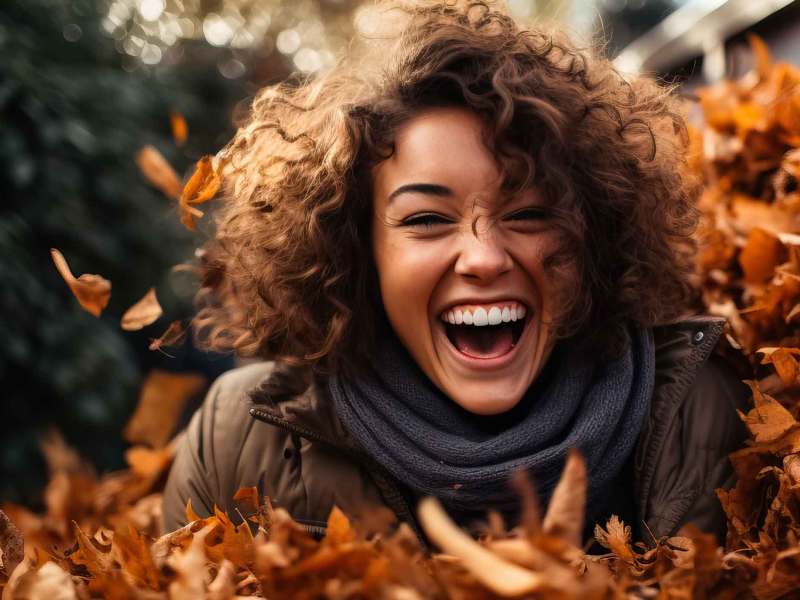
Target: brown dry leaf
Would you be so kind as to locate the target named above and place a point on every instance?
(762, 253)
(158, 171)
(92, 291)
(248, 496)
(617, 538)
(202, 186)
(567, 507)
(190, 568)
(161, 401)
(173, 335)
(501, 577)
(143, 313)
(48, 582)
(148, 463)
(12, 545)
(180, 130)
(339, 530)
(767, 421)
(783, 360)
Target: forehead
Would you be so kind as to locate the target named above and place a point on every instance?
(443, 146)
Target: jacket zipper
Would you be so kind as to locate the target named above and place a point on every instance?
(378, 473)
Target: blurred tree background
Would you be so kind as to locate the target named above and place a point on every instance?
(84, 84)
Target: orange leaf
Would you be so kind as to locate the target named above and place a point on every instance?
(784, 362)
(146, 462)
(170, 337)
(248, 496)
(158, 171)
(617, 538)
(92, 291)
(202, 186)
(768, 420)
(180, 130)
(762, 253)
(143, 313)
(190, 514)
(339, 530)
(161, 402)
(761, 53)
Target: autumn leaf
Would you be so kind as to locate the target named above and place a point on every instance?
(617, 538)
(762, 253)
(202, 186)
(143, 313)
(173, 335)
(161, 401)
(180, 130)
(92, 291)
(11, 545)
(567, 507)
(158, 171)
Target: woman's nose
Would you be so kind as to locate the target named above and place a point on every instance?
(482, 257)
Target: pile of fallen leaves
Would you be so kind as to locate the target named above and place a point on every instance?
(102, 536)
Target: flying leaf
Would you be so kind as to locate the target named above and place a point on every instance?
(161, 402)
(568, 503)
(202, 186)
(11, 545)
(158, 171)
(92, 291)
(172, 336)
(180, 130)
(143, 313)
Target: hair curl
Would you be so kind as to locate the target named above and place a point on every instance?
(289, 273)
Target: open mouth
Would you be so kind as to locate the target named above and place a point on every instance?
(485, 338)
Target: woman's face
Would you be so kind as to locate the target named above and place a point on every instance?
(460, 263)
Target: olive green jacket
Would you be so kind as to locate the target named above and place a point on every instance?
(276, 429)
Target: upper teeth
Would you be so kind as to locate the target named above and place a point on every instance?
(491, 314)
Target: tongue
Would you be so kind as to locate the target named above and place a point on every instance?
(483, 342)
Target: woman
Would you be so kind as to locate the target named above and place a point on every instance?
(464, 250)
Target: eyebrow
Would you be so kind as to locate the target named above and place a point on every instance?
(431, 189)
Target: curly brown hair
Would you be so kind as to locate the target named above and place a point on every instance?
(289, 273)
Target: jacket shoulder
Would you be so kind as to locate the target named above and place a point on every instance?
(693, 427)
(207, 469)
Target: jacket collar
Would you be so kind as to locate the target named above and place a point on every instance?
(292, 398)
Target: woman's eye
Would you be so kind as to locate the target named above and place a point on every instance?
(528, 214)
(425, 220)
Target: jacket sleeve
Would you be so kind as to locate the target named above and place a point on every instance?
(703, 433)
(207, 469)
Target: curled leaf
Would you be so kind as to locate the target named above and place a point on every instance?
(202, 186)
(500, 576)
(172, 336)
(143, 313)
(92, 291)
(158, 171)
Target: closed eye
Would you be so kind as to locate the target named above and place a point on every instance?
(426, 220)
(532, 213)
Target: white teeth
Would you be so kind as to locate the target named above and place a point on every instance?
(481, 316)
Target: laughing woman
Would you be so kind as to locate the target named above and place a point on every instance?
(461, 252)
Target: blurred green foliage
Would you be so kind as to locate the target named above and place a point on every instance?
(71, 122)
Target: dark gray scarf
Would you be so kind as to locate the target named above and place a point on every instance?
(437, 448)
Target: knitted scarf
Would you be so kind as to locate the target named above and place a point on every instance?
(437, 448)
